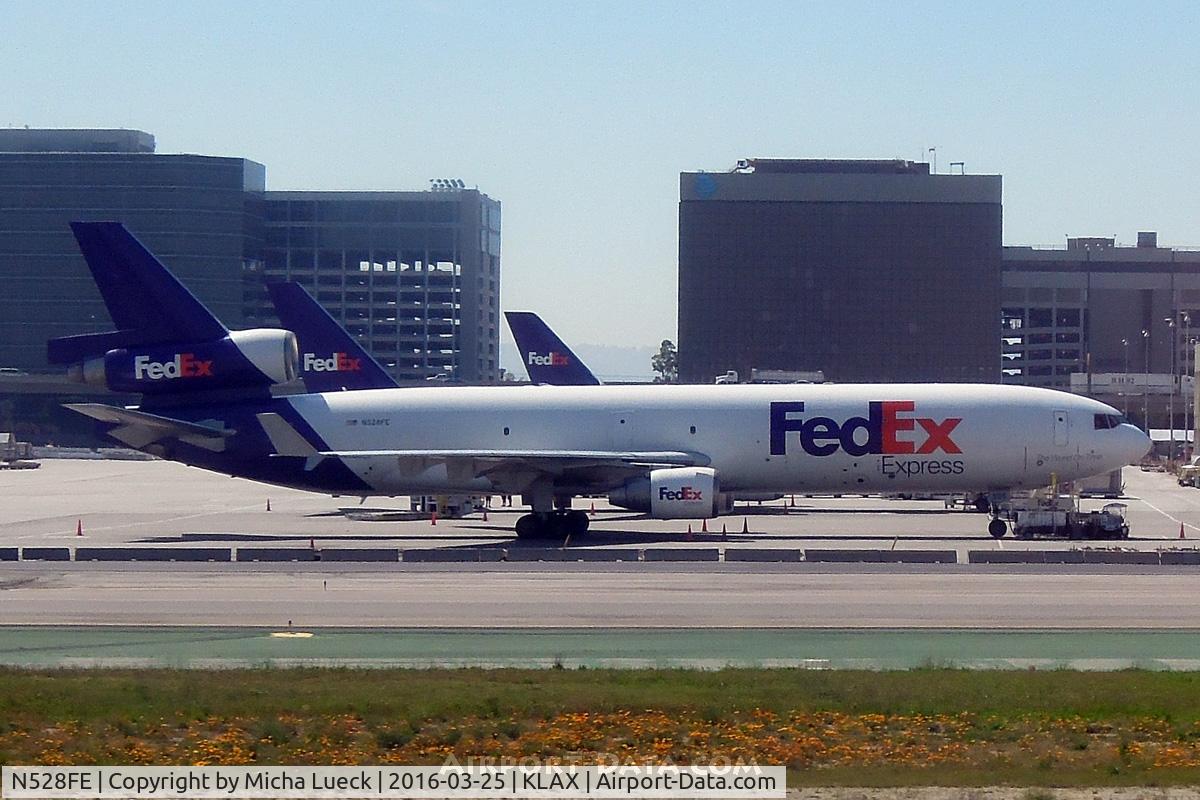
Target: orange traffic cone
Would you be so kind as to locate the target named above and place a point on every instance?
(485, 513)
(79, 527)
(312, 544)
(745, 527)
(704, 526)
(1181, 536)
(592, 510)
(433, 518)
(268, 504)
(689, 533)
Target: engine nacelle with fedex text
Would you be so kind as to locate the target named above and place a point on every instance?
(260, 357)
(675, 493)
(674, 450)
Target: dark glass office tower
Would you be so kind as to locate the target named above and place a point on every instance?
(867, 270)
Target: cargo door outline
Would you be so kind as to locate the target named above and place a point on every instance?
(1062, 429)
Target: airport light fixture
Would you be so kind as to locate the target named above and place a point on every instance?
(1146, 381)
(1125, 383)
(1171, 390)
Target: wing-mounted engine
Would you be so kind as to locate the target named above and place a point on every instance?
(674, 493)
(256, 358)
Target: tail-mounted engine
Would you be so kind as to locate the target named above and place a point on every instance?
(259, 357)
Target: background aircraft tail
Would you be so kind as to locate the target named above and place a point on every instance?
(330, 359)
(546, 358)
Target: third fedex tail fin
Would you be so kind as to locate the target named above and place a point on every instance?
(546, 358)
(330, 359)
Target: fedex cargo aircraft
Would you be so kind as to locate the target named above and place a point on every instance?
(675, 452)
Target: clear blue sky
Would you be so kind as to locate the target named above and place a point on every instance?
(580, 116)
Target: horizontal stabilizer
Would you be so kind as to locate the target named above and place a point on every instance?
(138, 428)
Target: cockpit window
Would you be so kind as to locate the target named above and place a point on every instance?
(1104, 422)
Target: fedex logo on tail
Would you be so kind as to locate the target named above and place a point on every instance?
(890, 427)
(337, 362)
(550, 359)
(184, 365)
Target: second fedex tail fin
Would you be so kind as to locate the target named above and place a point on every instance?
(330, 359)
(546, 358)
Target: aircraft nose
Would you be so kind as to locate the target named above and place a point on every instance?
(1135, 443)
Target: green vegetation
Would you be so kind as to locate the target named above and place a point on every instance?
(877, 728)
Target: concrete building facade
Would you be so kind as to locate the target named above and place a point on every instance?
(1096, 307)
(414, 275)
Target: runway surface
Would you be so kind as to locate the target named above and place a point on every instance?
(598, 596)
(612, 648)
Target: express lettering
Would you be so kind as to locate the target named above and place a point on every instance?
(551, 359)
(887, 428)
(184, 365)
(684, 493)
(338, 362)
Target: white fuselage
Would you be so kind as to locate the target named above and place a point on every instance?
(929, 437)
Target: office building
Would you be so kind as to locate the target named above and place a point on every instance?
(198, 213)
(414, 275)
(866, 270)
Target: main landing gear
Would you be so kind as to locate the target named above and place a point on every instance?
(997, 527)
(552, 524)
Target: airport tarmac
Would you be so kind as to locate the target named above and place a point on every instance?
(166, 504)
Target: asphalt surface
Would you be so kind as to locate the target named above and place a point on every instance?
(165, 504)
(162, 503)
(597, 596)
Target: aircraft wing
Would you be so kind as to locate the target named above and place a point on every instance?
(138, 428)
(599, 467)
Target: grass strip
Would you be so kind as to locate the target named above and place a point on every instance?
(919, 727)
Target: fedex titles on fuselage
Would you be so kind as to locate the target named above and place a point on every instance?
(891, 430)
(337, 362)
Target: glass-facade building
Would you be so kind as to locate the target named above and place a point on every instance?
(200, 214)
(415, 276)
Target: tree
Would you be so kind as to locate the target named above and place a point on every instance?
(666, 363)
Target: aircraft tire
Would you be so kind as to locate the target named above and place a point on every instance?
(997, 528)
(575, 523)
(536, 526)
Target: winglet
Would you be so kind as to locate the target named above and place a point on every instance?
(547, 359)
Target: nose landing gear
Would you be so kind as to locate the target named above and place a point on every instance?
(997, 527)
